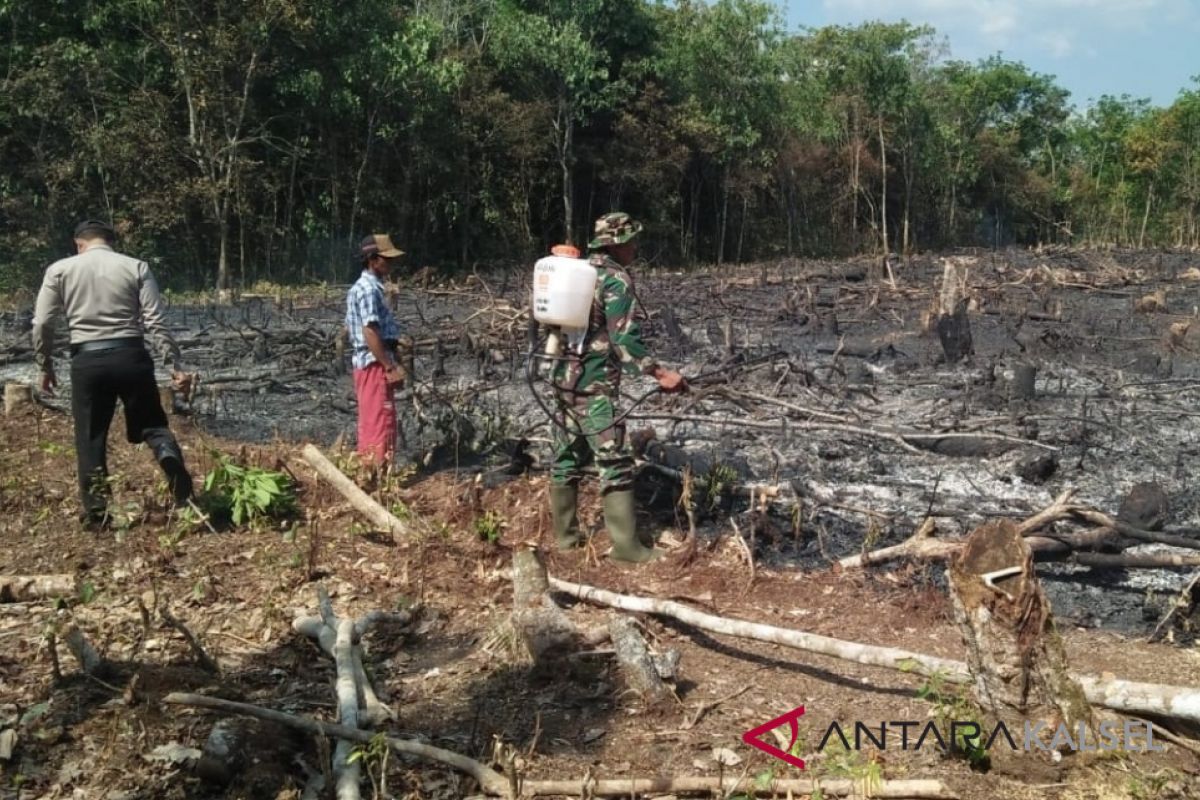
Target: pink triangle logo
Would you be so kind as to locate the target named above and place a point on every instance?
(750, 737)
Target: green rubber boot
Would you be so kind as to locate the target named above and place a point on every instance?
(563, 516)
(621, 521)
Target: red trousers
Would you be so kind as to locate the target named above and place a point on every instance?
(376, 414)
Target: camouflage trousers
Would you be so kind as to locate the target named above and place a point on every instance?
(593, 439)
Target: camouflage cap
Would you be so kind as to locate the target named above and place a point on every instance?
(615, 228)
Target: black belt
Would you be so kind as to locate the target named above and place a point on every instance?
(125, 343)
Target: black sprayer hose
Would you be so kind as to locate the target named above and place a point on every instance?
(535, 347)
(533, 356)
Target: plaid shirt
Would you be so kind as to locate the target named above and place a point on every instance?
(365, 304)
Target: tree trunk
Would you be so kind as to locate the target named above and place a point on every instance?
(223, 257)
(1015, 655)
(347, 772)
(953, 324)
(358, 179)
(733, 786)
(1146, 215)
(854, 189)
(883, 222)
(724, 215)
(565, 125)
(737, 258)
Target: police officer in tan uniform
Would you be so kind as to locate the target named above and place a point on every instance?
(110, 302)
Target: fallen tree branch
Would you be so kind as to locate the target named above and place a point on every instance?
(361, 502)
(374, 710)
(1133, 560)
(1119, 695)
(206, 661)
(890, 657)
(792, 425)
(324, 631)
(920, 545)
(348, 773)
(1125, 529)
(908, 436)
(1050, 548)
(1059, 509)
(489, 780)
(23, 588)
(629, 787)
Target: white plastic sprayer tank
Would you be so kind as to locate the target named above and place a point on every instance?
(562, 291)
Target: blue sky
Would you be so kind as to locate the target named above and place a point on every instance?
(1143, 48)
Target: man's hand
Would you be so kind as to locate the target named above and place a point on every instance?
(49, 382)
(670, 381)
(183, 383)
(395, 376)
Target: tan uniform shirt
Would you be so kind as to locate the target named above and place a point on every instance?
(105, 295)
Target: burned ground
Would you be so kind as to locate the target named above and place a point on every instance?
(824, 393)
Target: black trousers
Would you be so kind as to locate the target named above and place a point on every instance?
(98, 379)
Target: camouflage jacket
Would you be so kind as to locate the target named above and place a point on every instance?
(613, 344)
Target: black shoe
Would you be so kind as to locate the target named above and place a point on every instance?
(178, 478)
(170, 458)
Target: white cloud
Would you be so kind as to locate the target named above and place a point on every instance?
(998, 23)
(1058, 44)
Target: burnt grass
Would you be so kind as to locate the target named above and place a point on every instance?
(1113, 408)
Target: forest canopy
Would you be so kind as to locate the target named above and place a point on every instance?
(233, 141)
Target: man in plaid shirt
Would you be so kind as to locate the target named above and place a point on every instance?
(374, 334)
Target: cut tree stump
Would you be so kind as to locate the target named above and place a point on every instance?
(1024, 382)
(1014, 653)
(637, 667)
(545, 629)
(953, 325)
(17, 397)
(1145, 506)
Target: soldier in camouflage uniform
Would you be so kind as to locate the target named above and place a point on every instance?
(586, 387)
